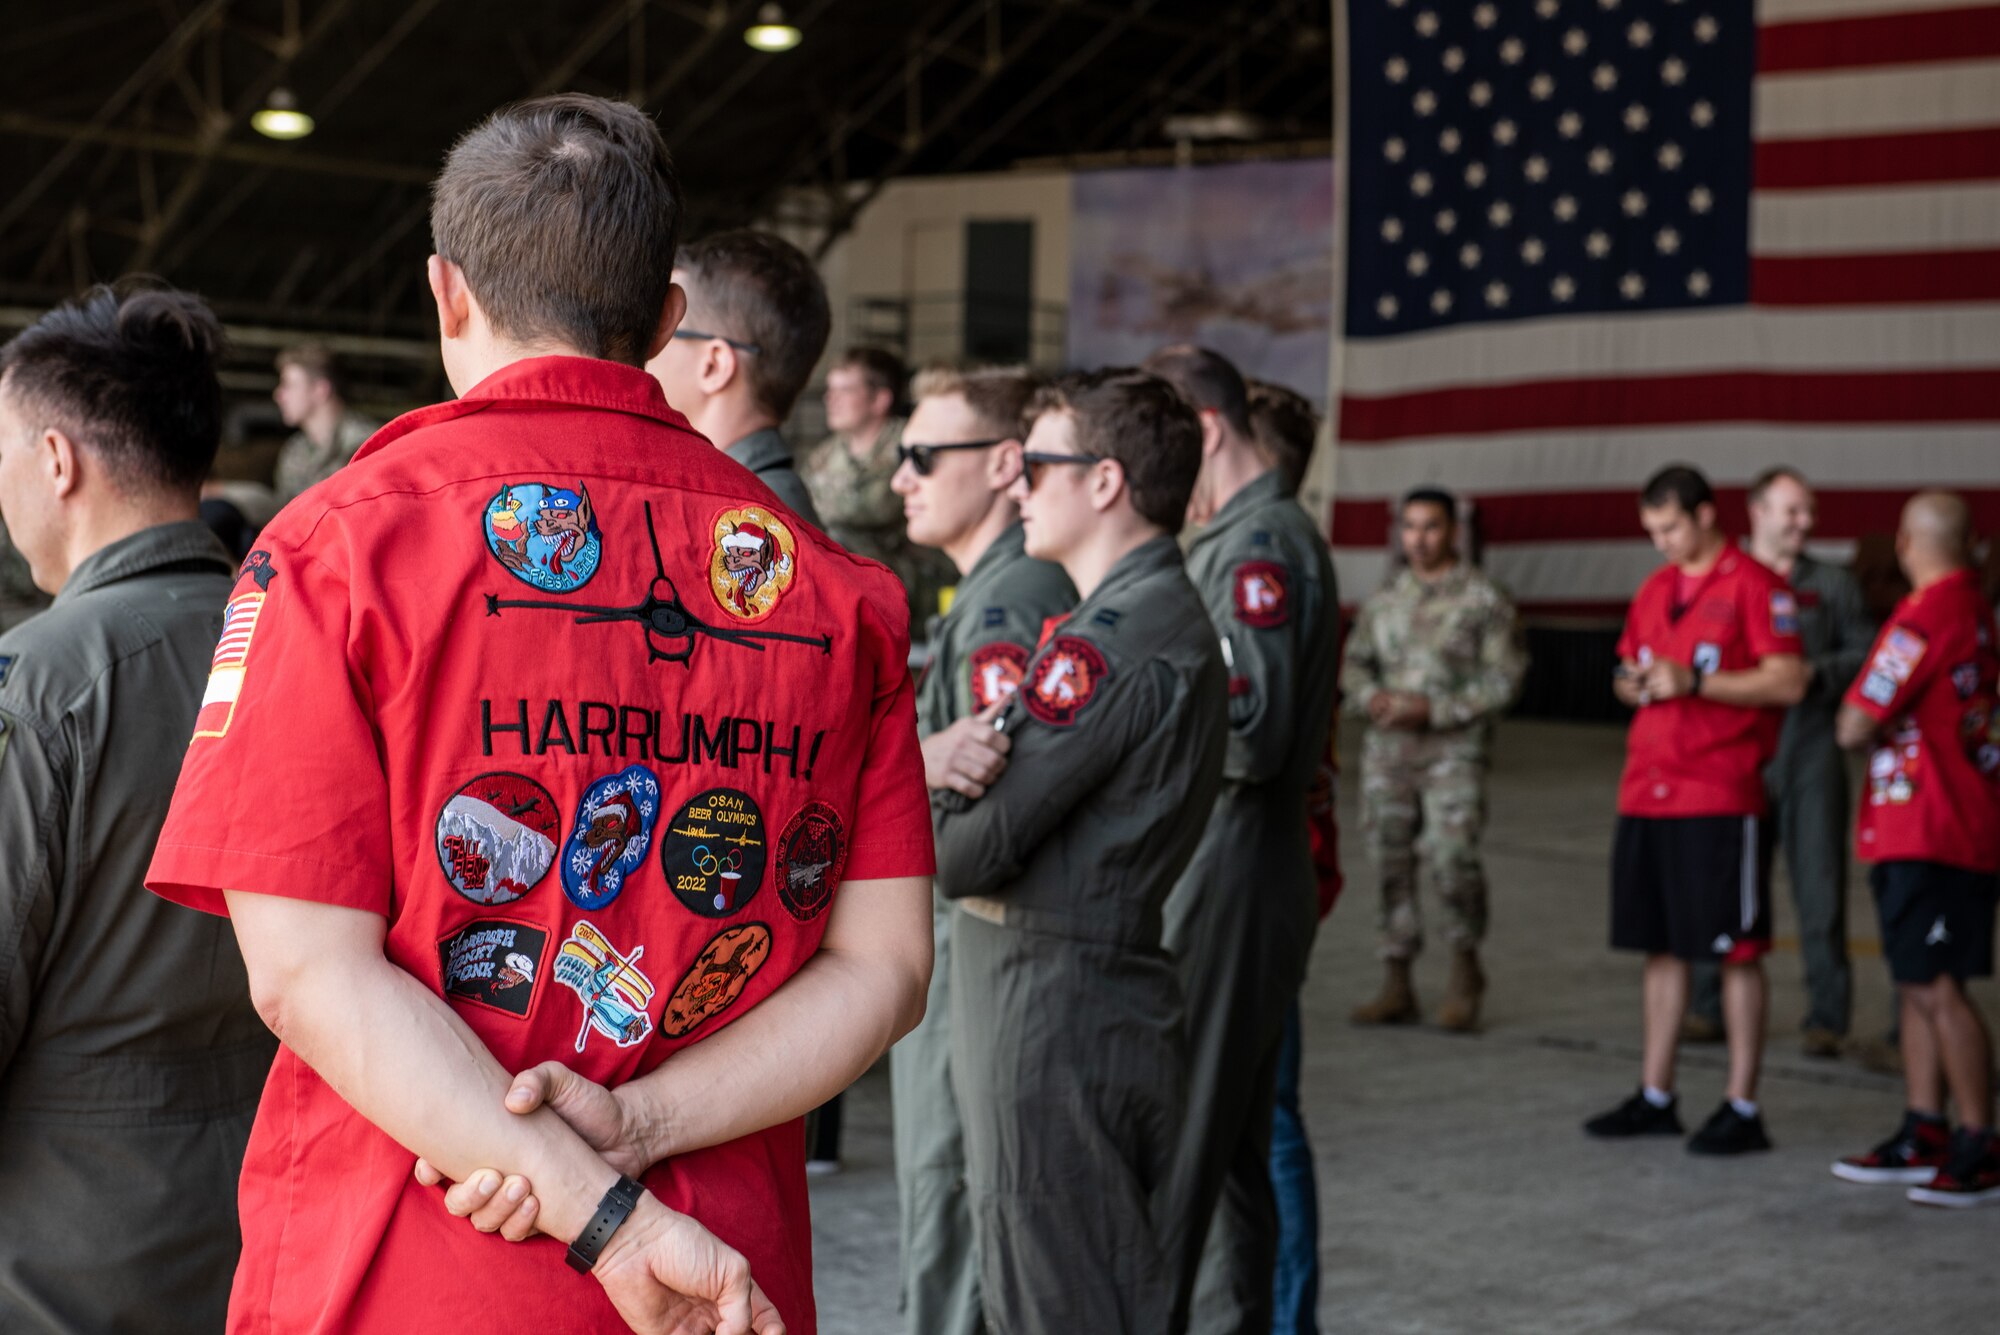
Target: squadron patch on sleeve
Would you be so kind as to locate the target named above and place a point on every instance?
(713, 852)
(995, 672)
(614, 828)
(753, 564)
(608, 983)
(232, 660)
(6, 666)
(716, 978)
(1263, 594)
(545, 535)
(494, 962)
(496, 837)
(258, 566)
(1063, 680)
(1784, 612)
(812, 852)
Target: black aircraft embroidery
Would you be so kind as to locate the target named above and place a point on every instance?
(259, 568)
(669, 627)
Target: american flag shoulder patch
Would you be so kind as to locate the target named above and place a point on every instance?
(232, 657)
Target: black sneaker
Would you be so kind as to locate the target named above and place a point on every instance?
(1913, 1156)
(1636, 1117)
(1971, 1178)
(1729, 1132)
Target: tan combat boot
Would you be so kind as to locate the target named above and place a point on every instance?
(1460, 1011)
(1397, 1003)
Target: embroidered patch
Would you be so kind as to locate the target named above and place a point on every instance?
(714, 852)
(753, 564)
(545, 535)
(1708, 657)
(1063, 680)
(614, 993)
(995, 671)
(1106, 617)
(614, 828)
(994, 616)
(232, 658)
(1965, 680)
(1898, 654)
(1263, 594)
(6, 666)
(812, 852)
(494, 962)
(258, 566)
(1784, 613)
(716, 978)
(496, 837)
(1877, 688)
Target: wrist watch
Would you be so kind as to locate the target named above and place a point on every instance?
(619, 1199)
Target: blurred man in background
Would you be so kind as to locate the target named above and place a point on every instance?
(312, 398)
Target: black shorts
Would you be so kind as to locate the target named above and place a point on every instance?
(1936, 920)
(1697, 887)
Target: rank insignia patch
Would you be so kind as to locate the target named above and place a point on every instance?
(1263, 597)
(753, 564)
(6, 666)
(1063, 679)
(614, 828)
(614, 993)
(232, 658)
(716, 978)
(714, 851)
(545, 535)
(496, 837)
(1784, 613)
(811, 855)
(995, 672)
(494, 962)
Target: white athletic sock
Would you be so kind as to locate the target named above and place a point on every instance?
(1659, 1098)
(1744, 1107)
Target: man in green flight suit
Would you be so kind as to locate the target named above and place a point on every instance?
(963, 451)
(1240, 923)
(1067, 1052)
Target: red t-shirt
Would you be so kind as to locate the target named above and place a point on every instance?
(1934, 785)
(1690, 757)
(518, 680)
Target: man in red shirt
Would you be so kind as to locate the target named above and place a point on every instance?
(542, 736)
(1924, 707)
(1710, 659)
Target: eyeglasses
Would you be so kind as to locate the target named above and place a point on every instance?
(1032, 460)
(701, 337)
(923, 458)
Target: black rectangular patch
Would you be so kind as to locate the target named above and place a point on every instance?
(996, 616)
(1107, 618)
(494, 962)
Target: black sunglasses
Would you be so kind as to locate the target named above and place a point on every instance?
(701, 337)
(1034, 459)
(923, 458)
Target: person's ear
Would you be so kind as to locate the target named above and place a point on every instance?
(1003, 465)
(1211, 433)
(1107, 484)
(452, 295)
(718, 367)
(882, 402)
(672, 311)
(60, 462)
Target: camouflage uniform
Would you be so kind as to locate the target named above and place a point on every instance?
(304, 462)
(1457, 642)
(19, 598)
(865, 516)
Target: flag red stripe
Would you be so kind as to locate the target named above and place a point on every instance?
(1725, 396)
(1853, 280)
(1879, 159)
(1879, 39)
(1612, 516)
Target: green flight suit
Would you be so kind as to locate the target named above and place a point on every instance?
(19, 598)
(1240, 923)
(765, 453)
(1806, 783)
(1068, 1054)
(303, 462)
(131, 1060)
(978, 649)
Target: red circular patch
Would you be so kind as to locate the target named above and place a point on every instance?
(996, 670)
(1263, 595)
(1063, 679)
(812, 852)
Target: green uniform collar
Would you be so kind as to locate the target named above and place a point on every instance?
(1148, 558)
(761, 449)
(178, 543)
(1012, 542)
(1260, 491)
(1455, 582)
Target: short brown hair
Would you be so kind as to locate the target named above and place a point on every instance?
(760, 289)
(1285, 427)
(881, 368)
(1208, 380)
(563, 213)
(316, 360)
(999, 396)
(1762, 482)
(1142, 421)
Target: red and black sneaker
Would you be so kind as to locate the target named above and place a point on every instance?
(1920, 1147)
(1971, 1178)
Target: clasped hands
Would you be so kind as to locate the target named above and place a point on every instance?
(1638, 684)
(666, 1274)
(1407, 711)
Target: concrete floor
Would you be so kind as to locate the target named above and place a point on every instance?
(1456, 1191)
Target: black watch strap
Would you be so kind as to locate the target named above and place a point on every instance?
(619, 1200)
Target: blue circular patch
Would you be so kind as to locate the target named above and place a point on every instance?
(614, 827)
(544, 534)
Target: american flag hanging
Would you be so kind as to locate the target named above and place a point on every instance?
(1586, 238)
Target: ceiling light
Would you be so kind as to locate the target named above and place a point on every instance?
(771, 32)
(280, 117)
(1213, 125)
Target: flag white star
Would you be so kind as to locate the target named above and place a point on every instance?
(1512, 50)
(1453, 59)
(1447, 221)
(1667, 240)
(1564, 207)
(1441, 301)
(1394, 149)
(1633, 202)
(1475, 174)
(1576, 41)
(1386, 307)
(1392, 228)
(1569, 125)
(1697, 284)
(1485, 15)
(1604, 77)
(1636, 117)
(1427, 24)
(1396, 69)
(1598, 244)
(1480, 93)
(1418, 264)
(1496, 295)
(1500, 213)
(1600, 160)
(1669, 156)
(1542, 87)
(1468, 256)
(1420, 184)
(1562, 287)
(1536, 168)
(1607, 4)
(1632, 287)
(1700, 200)
(1505, 131)
(1548, 8)
(1673, 71)
(1705, 28)
(1425, 102)
(1702, 113)
(1532, 250)
(1448, 139)
(1640, 33)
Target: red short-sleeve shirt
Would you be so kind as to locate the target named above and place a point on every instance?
(1934, 784)
(599, 727)
(1692, 757)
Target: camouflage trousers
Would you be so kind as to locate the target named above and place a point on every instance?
(1423, 804)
